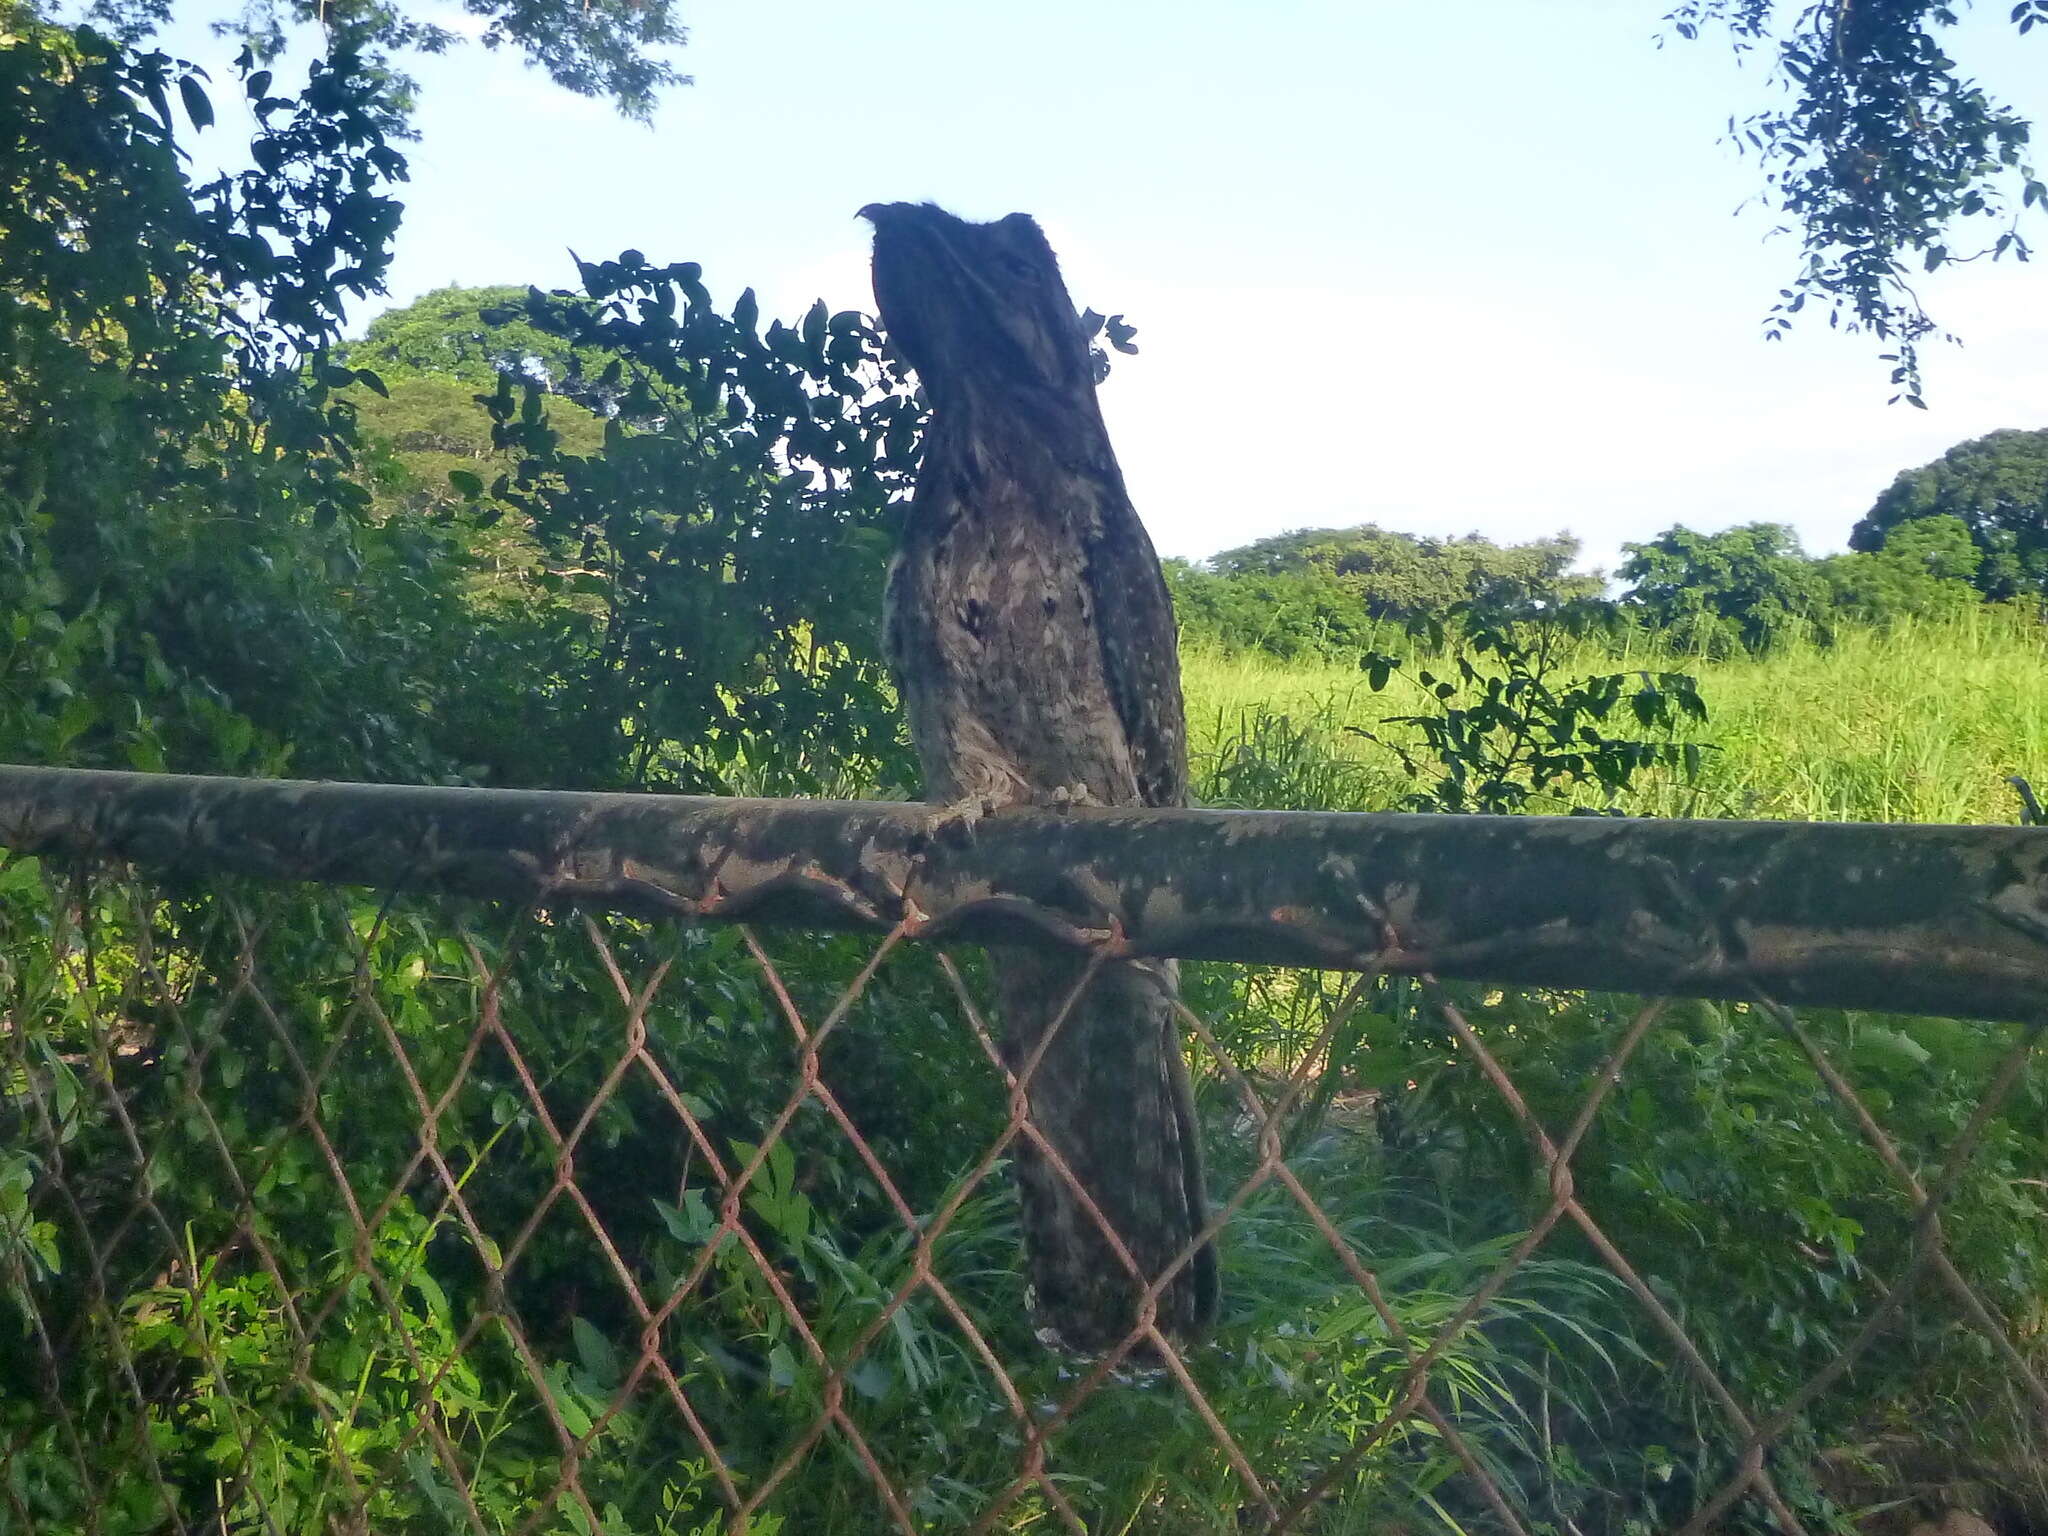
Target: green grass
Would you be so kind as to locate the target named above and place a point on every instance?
(1720, 1167)
(1914, 723)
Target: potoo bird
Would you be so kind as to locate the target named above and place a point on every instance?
(1032, 639)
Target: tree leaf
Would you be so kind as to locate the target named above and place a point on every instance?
(197, 107)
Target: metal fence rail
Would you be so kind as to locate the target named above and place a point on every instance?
(353, 1179)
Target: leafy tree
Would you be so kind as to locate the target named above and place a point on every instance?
(444, 333)
(1886, 159)
(426, 450)
(197, 576)
(1289, 614)
(734, 533)
(1331, 591)
(592, 47)
(174, 462)
(1997, 486)
(203, 484)
(1396, 575)
(1748, 586)
(1924, 570)
(428, 445)
(423, 428)
(475, 334)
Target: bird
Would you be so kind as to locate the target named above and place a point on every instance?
(1031, 636)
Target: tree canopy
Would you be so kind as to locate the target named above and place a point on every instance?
(1352, 591)
(601, 48)
(1925, 569)
(444, 332)
(1745, 585)
(1996, 486)
(1886, 158)
(1395, 573)
(174, 463)
(1331, 590)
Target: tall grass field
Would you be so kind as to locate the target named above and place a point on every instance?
(1916, 722)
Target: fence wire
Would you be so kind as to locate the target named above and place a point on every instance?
(324, 1212)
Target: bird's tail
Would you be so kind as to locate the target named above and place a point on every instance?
(1112, 1101)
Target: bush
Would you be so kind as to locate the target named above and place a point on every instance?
(1339, 592)
(1709, 593)
(1923, 570)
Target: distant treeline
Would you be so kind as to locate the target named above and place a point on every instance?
(1966, 529)
(1970, 527)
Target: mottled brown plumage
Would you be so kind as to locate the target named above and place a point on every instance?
(1033, 642)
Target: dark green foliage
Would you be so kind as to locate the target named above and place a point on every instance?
(1748, 587)
(1725, 1170)
(733, 534)
(599, 48)
(345, 986)
(1289, 615)
(1887, 159)
(199, 578)
(424, 429)
(1340, 592)
(428, 436)
(429, 451)
(1997, 485)
(427, 456)
(348, 987)
(1400, 575)
(1915, 557)
(1507, 735)
(444, 335)
(1332, 591)
(1923, 571)
(174, 462)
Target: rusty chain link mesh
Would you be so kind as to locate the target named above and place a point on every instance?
(326, 1213)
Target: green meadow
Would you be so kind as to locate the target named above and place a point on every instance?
(1917, 721)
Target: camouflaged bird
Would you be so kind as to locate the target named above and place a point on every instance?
(1032, 639)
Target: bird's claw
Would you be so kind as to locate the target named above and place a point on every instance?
(955, 823)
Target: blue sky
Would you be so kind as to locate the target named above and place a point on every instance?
(1448, 268)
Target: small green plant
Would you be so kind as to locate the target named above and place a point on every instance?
(1506, 734)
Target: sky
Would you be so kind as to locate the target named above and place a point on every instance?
(1481, 267)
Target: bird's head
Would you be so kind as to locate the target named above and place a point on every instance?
(972, 305)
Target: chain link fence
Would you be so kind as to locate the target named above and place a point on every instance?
(399, 1206)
